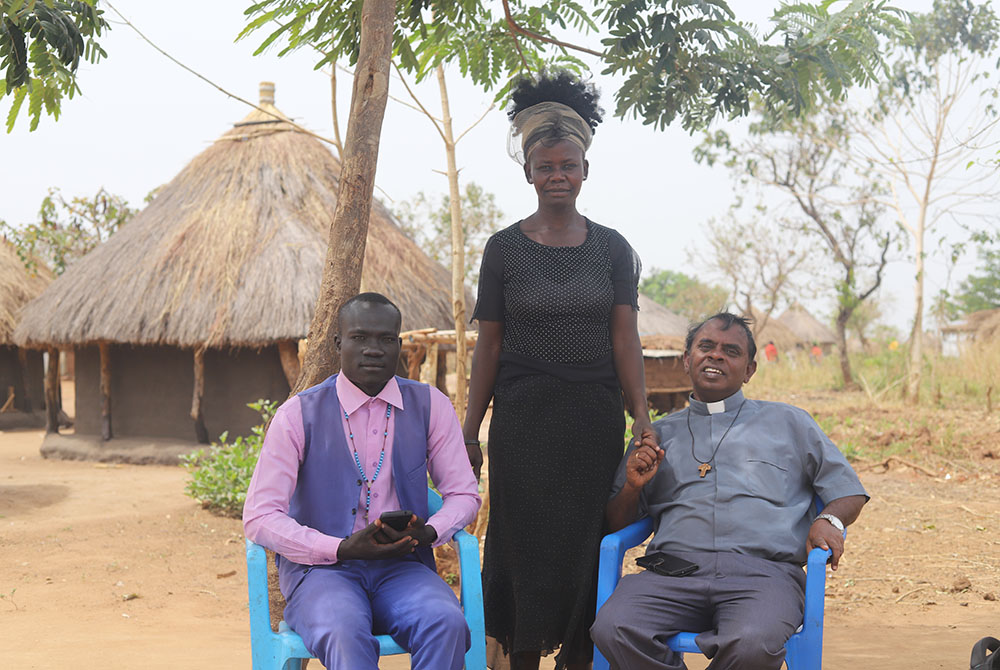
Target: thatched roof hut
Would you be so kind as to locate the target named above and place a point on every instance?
(772, 331)
(981, 326)
(807, 328)
(21, 375)
(226, 260)
(660, 328)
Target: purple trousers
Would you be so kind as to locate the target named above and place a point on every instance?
(337, 610)
(747, 607)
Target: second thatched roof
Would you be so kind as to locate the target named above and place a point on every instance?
(805, 326)
(18, 285)
(231, 253)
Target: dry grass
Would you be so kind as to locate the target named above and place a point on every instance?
(230, 253)
(18, 285)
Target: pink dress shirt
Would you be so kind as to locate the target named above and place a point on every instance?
(265, 512)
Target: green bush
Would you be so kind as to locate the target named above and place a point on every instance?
(221, 474)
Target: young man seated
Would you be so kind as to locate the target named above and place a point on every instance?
(730, 488)
(338, 455)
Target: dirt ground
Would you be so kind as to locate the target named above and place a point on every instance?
(112, 566)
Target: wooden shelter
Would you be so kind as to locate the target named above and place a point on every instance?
(662, 334)
(195, 307)
(808, 329)
(22, 395)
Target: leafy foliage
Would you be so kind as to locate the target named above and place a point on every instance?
(684, 295)
(473, 34)
(41, 44)
(67, 230)
(221, 476)
(691, 59)
(980, 290)
(429, 225)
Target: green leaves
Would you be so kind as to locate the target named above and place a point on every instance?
(41, 45)
(221, 475)
(690, 60)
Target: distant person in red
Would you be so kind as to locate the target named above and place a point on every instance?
(817, 353)
(771, 352)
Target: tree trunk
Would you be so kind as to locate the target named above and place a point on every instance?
(457, 250)
(917, 333)
(52, 404)
(288, 354)
(349, 230)
(200, 431)
(843, 314)
(106, 432)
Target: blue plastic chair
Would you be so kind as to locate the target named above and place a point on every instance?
(804, 649)
(284, 650)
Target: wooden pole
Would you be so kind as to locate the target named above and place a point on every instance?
(52, 404)
(199, 391)
(24, 374)
(457, 249)
(288, 353)
(106, 432)
(349, 229)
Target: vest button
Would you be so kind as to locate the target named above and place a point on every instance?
(359, 482)
(354, 511)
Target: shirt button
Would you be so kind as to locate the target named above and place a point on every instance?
(375, 432)
(375, 495)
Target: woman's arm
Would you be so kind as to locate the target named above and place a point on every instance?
(627, 351)
(485, 363)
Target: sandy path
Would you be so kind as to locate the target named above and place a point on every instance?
(76, 539)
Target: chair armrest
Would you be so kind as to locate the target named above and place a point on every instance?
(260, 608)
(815, 588)
(613, 547)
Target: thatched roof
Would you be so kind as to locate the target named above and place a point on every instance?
(981, 325)
(231, 252)
(773, 331)
(655, 319)
(18, 285)
(805, 326)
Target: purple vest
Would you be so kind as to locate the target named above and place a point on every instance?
(328, 488)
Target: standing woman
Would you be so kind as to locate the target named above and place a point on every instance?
(558, 344)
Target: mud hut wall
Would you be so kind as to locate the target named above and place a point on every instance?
(151, 390)
(29, 391)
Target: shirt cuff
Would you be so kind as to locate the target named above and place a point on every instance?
(326, 549)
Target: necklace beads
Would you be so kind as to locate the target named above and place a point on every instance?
(357, 459)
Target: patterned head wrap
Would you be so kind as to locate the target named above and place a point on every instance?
(546, 121)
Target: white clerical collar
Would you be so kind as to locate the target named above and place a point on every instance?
(730, 404)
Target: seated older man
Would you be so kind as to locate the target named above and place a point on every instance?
(729, 487)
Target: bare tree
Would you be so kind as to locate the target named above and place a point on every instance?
(759, 262)
(832, 202)
(929, 133)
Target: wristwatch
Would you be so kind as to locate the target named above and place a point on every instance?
(834, 521)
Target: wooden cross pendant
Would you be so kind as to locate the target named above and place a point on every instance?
(703, 469)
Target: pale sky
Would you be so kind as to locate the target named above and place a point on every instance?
(141, 118)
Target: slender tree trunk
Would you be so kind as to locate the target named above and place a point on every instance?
(457, 249)
(52, 404)
(349, 230)
(917, 333)
(843, 314)
(106, 431)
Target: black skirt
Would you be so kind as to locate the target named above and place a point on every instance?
(553, 450)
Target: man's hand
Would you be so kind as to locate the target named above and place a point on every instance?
(643, 463)
(822, 534)
(364, 545)
(475, 451)
(417, 529)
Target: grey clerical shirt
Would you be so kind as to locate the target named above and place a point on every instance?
(757, 499)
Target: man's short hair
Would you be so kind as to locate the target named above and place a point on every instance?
(728, 320)
(371, 298)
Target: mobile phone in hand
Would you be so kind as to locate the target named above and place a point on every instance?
(397, 519)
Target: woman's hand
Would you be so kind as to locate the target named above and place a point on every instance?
(642, 465)
(642, 432)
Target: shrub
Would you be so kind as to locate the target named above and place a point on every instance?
(221, 474)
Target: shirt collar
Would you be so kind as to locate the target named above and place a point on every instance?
(351, 397)
(730, 404)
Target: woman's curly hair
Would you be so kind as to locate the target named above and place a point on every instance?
(559, 86)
